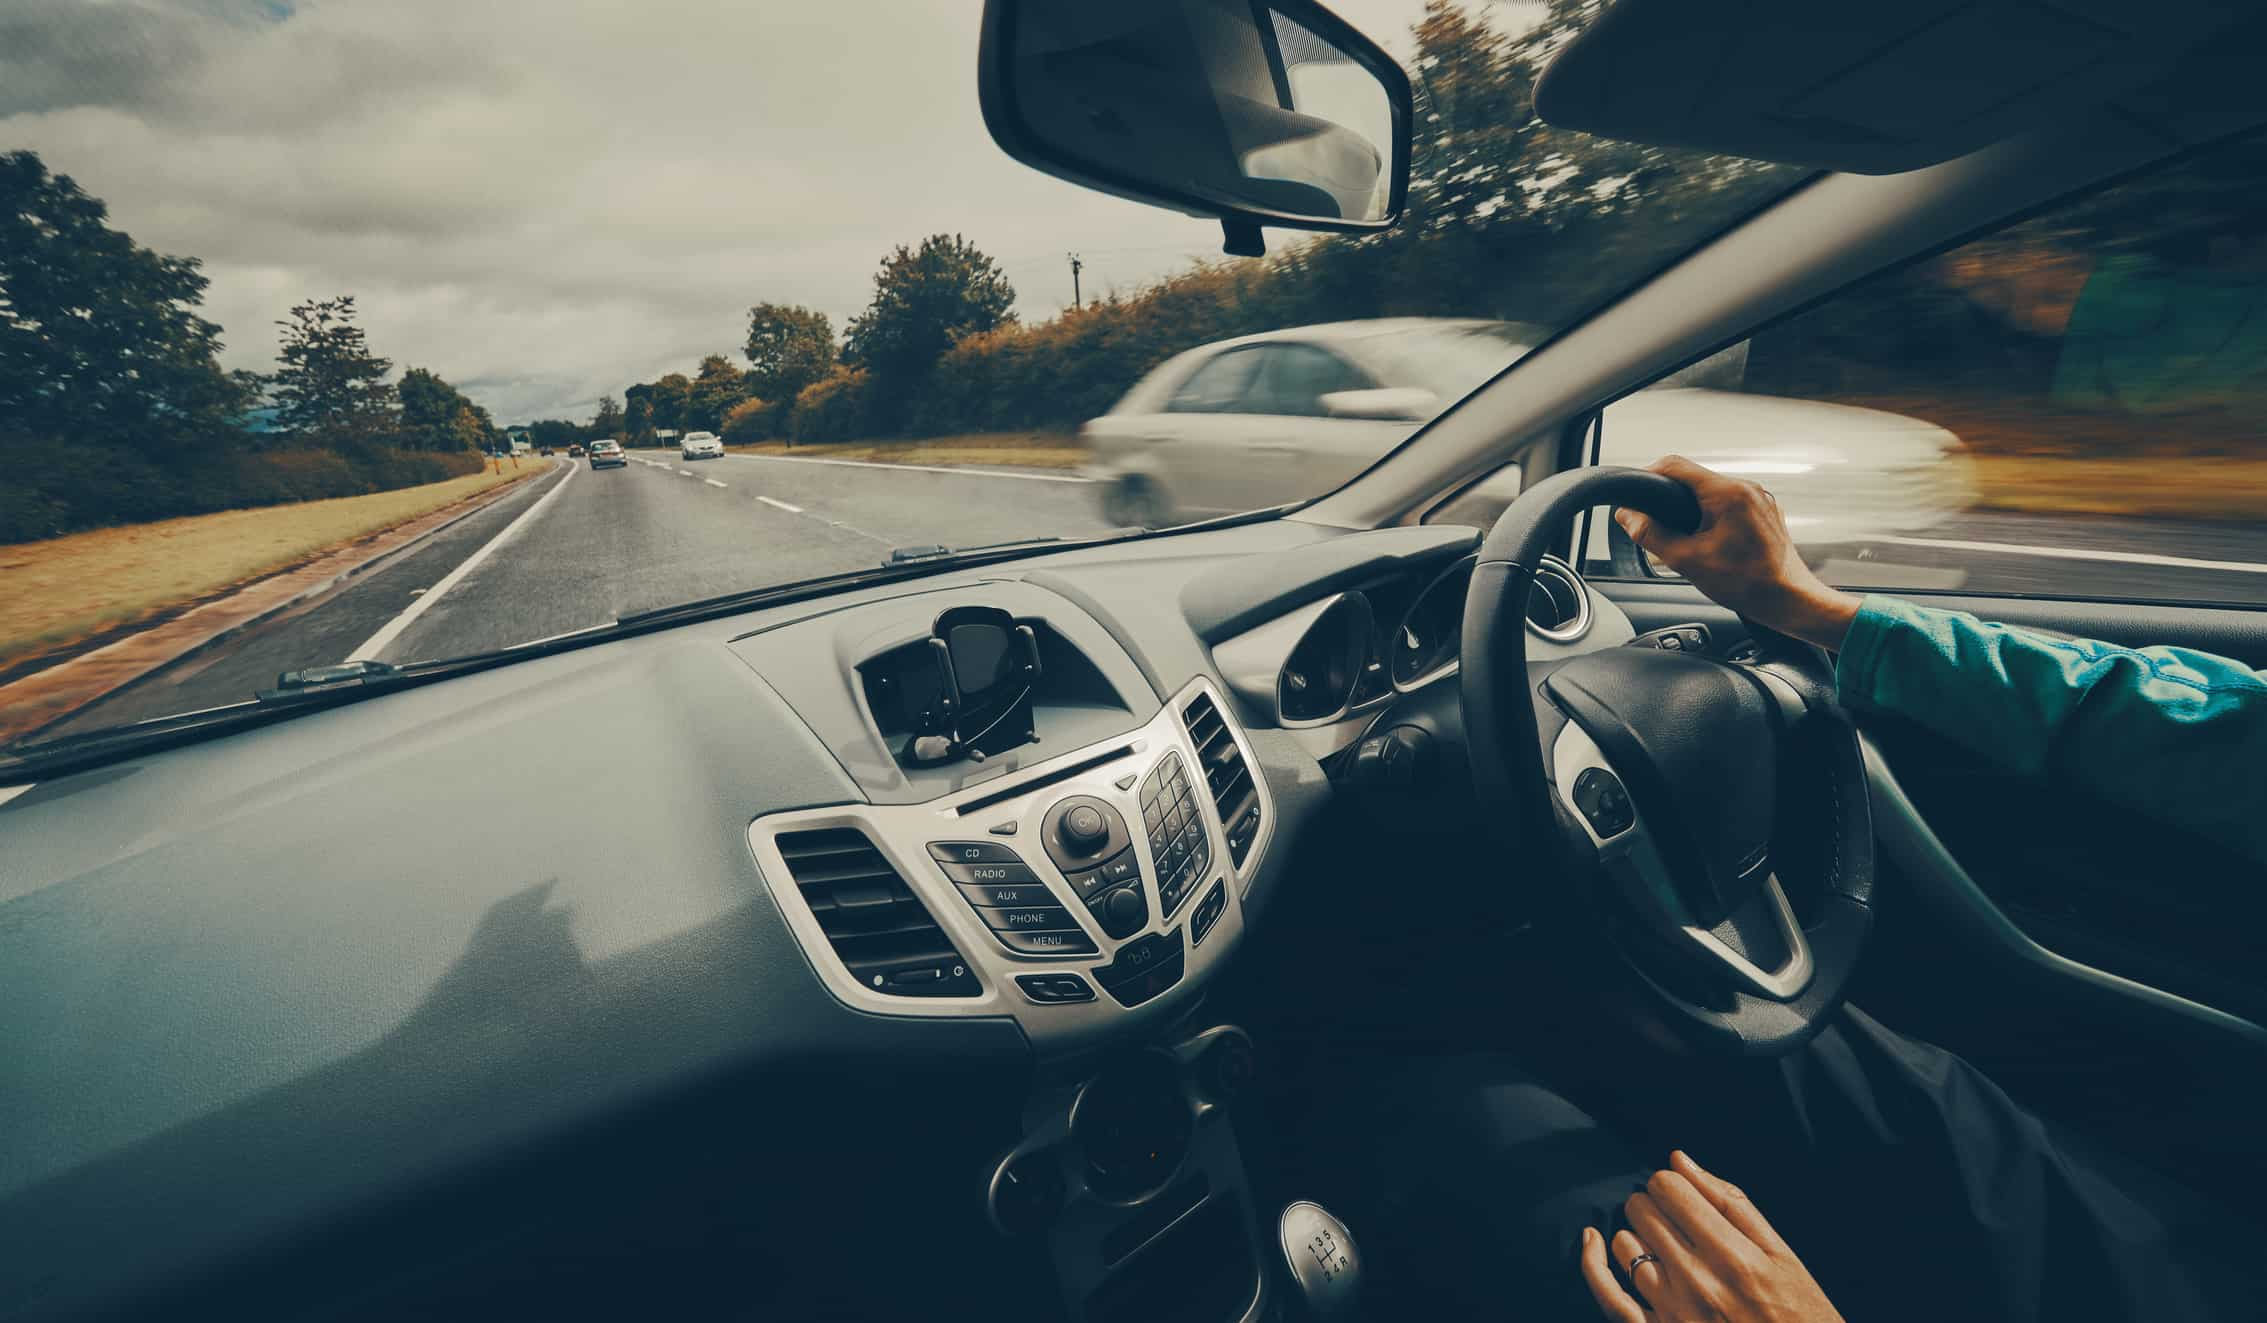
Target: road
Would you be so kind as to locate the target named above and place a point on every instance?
(581, 547)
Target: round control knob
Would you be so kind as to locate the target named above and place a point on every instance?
(1124, 912)
(1132, 1125)
(1083, 828)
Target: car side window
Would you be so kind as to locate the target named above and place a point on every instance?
(2075, 405)
(1219, 385)
(1295, 377)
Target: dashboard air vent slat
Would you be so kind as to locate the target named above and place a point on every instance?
(879, 929)
(1225, 775)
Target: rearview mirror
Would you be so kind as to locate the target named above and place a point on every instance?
(1255, 111)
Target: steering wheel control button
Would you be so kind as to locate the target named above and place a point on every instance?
(1050, 942)
(1006, 895)
(1603, 801)
(1054, 989)
(1676, 638)
(1177, 847)
(973, 852)
(1144, 968)
(1207, 913)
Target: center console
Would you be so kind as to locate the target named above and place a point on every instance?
(1079, 895)
(1086, 877)
(1132, 1180)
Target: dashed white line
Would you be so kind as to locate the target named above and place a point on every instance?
(781, 505)
(682, 473)
(2082, 553)
(915, 468)
(392, 629)
(712, 482)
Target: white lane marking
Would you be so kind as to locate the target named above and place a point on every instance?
(916, 468)
(393, 628)
(682, 473)
(830, 523)
(2082, 553)
(712, 482)
(10, 792)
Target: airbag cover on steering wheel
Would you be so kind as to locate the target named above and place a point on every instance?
(1694, 740)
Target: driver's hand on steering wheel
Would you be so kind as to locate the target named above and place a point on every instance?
(1703, 1253)
(1743, 557)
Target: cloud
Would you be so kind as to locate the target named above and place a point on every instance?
(546, 202)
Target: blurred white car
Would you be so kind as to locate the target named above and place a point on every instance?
(701, 445)
(1291, 414)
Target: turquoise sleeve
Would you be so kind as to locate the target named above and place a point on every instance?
(2178, 735)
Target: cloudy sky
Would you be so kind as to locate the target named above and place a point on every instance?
(547, 200)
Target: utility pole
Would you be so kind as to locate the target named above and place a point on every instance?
(1076, 267)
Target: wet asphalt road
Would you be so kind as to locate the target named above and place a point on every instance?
(587, 546)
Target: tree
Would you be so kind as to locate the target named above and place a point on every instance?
(331, 389)
(556, 433)
(718, 387)
(607, 422)
(637, 414)
(436, 415)
(667, 400)
(788, 348)
(925, 298)
(99, 337)
(747, 422)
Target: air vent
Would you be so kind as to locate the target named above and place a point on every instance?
(1558, 606)
(884, 935)
(1230, 781)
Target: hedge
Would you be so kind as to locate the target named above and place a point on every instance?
(53, 489)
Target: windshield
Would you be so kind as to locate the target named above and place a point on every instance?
(318, 321)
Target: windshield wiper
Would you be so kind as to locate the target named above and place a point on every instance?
(938, 551)
(294, 686)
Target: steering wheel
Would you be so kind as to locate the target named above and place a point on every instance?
(1709, 819)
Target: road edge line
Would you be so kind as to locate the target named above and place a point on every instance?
(392, 629)
(483, 501)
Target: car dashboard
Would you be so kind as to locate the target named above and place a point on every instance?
(270, 991)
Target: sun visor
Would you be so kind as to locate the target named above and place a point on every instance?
(1872, 88)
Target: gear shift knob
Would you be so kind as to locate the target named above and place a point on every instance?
(1320, 1252)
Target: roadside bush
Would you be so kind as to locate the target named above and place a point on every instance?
(55, 489)
(749, 421)
(836, 407)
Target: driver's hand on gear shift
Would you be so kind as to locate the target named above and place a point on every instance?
(1742, 556)
(1714, 1257)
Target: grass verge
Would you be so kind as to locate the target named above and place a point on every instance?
(2196, 487)
(1041, 450)
(71, 588)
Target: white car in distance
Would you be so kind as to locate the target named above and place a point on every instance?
(1291, 414)
(701, 445)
